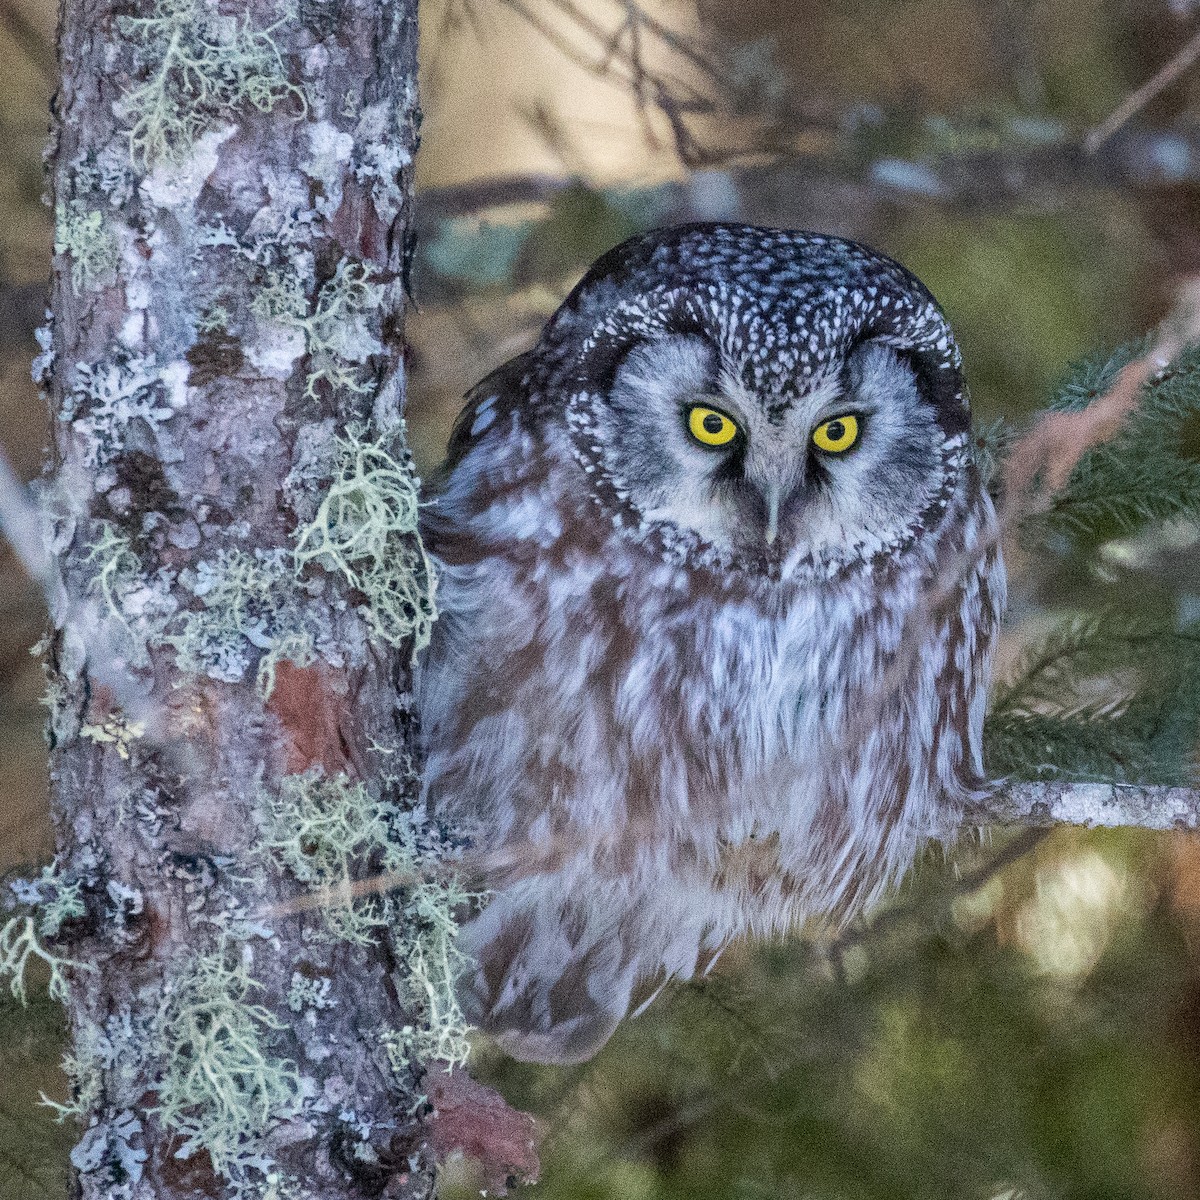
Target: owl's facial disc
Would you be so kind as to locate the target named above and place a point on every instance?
(851, 460)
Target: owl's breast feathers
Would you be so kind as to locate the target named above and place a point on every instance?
(651, 760)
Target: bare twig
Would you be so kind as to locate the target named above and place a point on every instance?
(892, 916)
(621, 54)
(1137, 100)
(343, 894)
(1108, 805)
(21, 525)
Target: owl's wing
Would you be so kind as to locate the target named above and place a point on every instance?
(969, 625)
(488, 409)
(489, 454)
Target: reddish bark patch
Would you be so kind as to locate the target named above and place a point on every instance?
(309, 703)
(475, 1120)
(191, 1176)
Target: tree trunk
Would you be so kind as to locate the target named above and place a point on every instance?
(255, 920)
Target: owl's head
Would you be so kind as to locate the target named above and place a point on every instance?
(767, 397)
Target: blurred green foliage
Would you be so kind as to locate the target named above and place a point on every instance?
(1025, 294)
(921, 1058)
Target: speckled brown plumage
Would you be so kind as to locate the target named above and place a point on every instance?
(682, 693)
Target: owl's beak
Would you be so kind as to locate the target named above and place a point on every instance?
(772, 498)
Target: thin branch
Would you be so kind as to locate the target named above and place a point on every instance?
(1042, 461)
(21, 525)
(1107, 805)
(620, 55)
(896, 915)
(1136, 101)
(1020, 178)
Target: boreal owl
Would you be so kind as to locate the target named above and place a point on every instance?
(718, 592)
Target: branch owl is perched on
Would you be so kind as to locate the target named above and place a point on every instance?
(719, 588)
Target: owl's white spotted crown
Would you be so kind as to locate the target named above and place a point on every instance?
(787, 305)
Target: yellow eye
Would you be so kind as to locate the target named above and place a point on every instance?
(836, 436)
(709, 427)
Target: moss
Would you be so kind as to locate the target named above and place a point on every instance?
(84, 234)
(365, 529)
(336, 333)
(199, 65)
(222, 1089)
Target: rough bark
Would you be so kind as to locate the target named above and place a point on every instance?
(229, 662)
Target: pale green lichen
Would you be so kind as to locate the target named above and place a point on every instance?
(337, 337)
(245, 597)
(117, 566)
(84, 234)
(428, 940)
(200, 66)
(365, 529)
(50, 901)
(294, 647)
(18, 944)
(84, 1069)
(59, 901)
(214, 319)
(385, 136)
(137, 605)
(320, 829)
(222, 1089)
(250, 601)
(107, 397)
(305, 993)
(373, 868)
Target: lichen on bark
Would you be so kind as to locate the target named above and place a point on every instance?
(224, 330)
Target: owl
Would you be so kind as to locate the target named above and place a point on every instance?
(718, 591)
